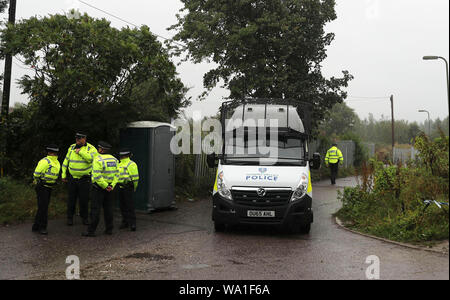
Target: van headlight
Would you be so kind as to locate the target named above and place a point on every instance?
(222, 188)
(302, 188)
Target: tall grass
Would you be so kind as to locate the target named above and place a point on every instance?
(18, 202)
(388, 202)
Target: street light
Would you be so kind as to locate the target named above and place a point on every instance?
(446, 68)
(429, 122)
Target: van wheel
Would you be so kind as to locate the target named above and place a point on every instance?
(219, 227)
(305, 229)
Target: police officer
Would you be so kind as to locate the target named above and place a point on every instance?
(332, 160)
(105, 175)
(78, 161)
(128, 183)
(45, 176)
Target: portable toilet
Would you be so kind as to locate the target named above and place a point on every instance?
(150, 144)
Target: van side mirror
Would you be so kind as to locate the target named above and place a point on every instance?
(211, 160)
(315, 161)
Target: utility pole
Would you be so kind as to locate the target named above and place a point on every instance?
(393, 126)
(8, 67)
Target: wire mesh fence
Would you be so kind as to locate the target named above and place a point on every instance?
(403, 155)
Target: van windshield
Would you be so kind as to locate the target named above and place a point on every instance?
(251, 150)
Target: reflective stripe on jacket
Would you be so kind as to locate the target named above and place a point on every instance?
(128, 172)
(334, 155)
(47, 170)
(105, 171)
(80, 164)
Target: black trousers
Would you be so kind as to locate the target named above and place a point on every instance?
(334, 168)
(126, 204)
(79, 189)
(43, 200)
(101, 198)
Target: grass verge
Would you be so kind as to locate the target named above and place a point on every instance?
(18, 202)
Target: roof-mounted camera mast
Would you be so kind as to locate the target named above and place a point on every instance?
(293, 117)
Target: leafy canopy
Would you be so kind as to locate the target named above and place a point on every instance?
(262, 49)
(93, 77)
(3, 5)
(88, 76)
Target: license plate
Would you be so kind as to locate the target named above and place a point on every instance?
(260, 214)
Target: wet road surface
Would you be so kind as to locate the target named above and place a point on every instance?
(183, 245)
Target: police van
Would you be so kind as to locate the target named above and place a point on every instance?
(263, 171)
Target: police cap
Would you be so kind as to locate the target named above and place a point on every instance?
(104, 145)
(124, 152)
(80, 135)
(52, 148)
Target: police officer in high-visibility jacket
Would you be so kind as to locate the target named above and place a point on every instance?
(105, 176)
(128, 183)
(332, 160)
(45, 176)
(78, 162)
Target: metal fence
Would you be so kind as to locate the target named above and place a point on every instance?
(347, 148)
(403, 155)
(201, 168)
(370, 147)
(348, 151)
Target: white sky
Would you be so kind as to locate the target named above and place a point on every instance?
(381, 43)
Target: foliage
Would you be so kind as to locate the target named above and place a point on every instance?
(263, 49)
(380, 131)
(3, 5)
(88, 76)
(341, 119)
(434, 154)
(360, 154)
(388, 202)
(187, 185)
(18, 202)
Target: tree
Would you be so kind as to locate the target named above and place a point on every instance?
(3, 5)
(93, 77)
(340, 120)
(413, 131)
(263, 49)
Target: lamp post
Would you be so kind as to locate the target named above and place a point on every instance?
(446, 68)
(429, 121)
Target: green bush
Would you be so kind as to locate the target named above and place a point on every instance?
(186, 185)
(18, 202)
(388, 202)
(361, 154)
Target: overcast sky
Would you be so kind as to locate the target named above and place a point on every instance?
(381, 43)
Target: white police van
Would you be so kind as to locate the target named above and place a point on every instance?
(263, 173)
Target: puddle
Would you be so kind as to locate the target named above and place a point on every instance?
(193, 267)
(149, 256)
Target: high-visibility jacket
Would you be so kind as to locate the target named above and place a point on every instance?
(47, 170)
(105, 171)
(334, 155)
(128, 172)
(80, 164)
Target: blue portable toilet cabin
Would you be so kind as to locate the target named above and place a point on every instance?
(150, 143)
